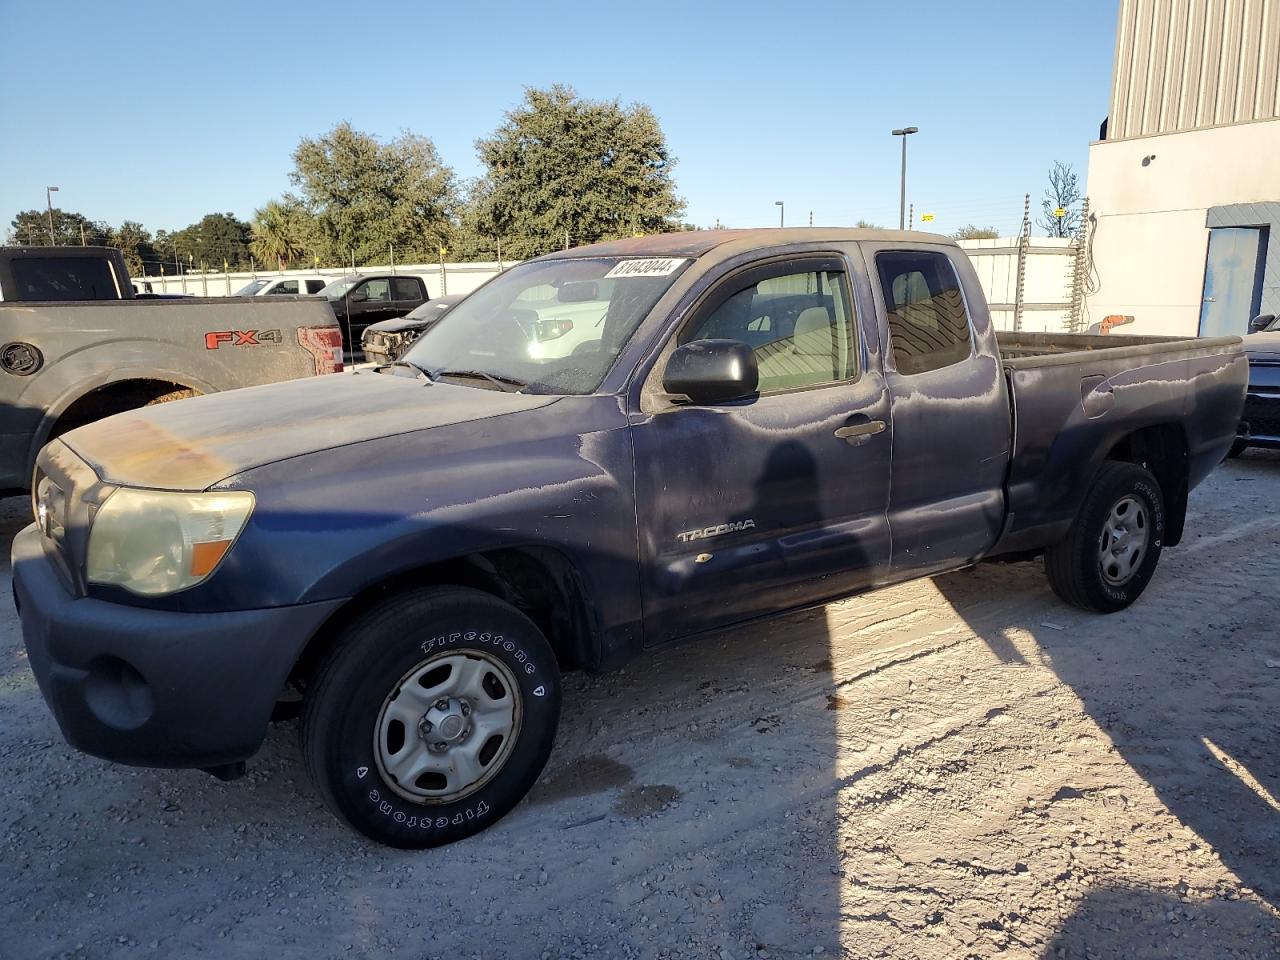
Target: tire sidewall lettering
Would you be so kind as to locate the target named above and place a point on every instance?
(1152, 501)
(484, 638)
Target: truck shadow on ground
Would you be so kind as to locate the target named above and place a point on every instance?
(1180, 700)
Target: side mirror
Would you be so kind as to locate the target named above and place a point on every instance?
(358, 295)
(1261, 322)
(712, 371)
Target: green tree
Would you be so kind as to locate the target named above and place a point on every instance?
(135, 243)
(1063, 193)
(971, 232)
(868, 225)
(366, 196)
(284, 232)
(215, 239)
(31, 228)
(561, 164)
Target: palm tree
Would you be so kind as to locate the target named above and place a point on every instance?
(282, 231)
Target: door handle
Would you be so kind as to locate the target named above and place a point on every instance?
(868, 429)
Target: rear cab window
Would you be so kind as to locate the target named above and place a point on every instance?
(928, 323)
(63, 278)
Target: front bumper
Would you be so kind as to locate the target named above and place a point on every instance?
(1260, 421)
(152, 687)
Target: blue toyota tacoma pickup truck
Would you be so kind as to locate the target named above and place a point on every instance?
(746, 423)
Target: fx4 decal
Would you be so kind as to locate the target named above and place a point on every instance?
(241, 338)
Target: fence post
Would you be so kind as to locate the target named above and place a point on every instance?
(1024, 241)
(1080, 266)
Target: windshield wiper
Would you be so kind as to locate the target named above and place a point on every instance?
(507, 384)
(423, 373)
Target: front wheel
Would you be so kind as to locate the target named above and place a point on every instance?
(432, 717)
(1107, 559)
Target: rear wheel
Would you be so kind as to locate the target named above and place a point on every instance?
(432, 717)
(1237, 448)
(1108, 558)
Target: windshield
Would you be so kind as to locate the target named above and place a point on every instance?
(550, 327)
(249, 289)
(335, 290)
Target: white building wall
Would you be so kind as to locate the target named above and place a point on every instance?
(1150, 238)
(1046, 297)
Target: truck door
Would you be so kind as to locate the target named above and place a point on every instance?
(950, 410)
(409, 294)
(368, 302)
(780, 500)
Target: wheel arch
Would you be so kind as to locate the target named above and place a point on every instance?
(1161, 448)
(542, 582)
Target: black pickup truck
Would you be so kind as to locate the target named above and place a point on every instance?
(736, 424)
(359, 301)
(77, 344)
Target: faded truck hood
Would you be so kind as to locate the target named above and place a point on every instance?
(1263, 346)
(192, 444)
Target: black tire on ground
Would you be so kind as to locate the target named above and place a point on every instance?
(377, 655)
(1237, 448)
(1076, 567)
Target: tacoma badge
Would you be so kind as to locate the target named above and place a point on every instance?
(717, 530)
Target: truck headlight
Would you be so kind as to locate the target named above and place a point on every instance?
(154, 542)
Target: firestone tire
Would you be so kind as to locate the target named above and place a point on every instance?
(1097, 566)
(377, 662)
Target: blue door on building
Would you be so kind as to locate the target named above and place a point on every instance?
(1232, 280)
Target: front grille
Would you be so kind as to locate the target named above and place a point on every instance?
(50, 507)
(1262, 414)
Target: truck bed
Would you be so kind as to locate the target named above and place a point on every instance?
(1024, 351)
(1074, 398)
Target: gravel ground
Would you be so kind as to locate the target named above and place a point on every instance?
(958, 767)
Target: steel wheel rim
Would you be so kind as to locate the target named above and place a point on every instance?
(436, 739)
(1124, 540)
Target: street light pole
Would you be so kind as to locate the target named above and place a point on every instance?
(903, 132)
(48, 199)
(782, 213)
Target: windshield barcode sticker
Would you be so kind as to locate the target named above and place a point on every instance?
(649, 267)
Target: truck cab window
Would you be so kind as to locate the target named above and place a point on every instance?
(406, 288)
(288, 286)
(798, 325)
(63, 278)
(928, 325)
(376, 291)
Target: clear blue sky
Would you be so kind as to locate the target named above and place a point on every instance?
(759, 101)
